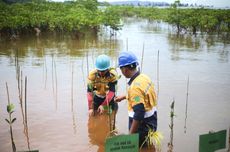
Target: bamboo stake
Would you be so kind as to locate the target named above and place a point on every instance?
(45, 72)
(158, 83)
(10, 121)
(72, 87)
(18, 79)
(27, 130)
(45, 69)
(109, 116)
(87, 61)
(172, 114)
(83, 75)
(16, 58)
(186, 107)
(74, 122)
(21, 103)
(25, 101)
(142, 56)
(53, 73)
(127, 41)
(21, 86)
(56, 83)
(93, 55)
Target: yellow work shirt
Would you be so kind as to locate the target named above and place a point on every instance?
(101, 84)
(142, 90)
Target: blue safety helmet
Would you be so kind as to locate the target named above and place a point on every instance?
(127, 58)
(102, 62)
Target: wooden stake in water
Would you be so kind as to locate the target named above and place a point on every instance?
(142, 56)
(109, 116)
(186, 107)
(72, 87)
(21, 96)
(74, 122)
(83, 74)
(45, 73)
(27, 130)
(10, 108)
(56, 81)
(53, 72)
(21, 102)
(26, 101)
(54, 86)
(127, 45)
(87, 61)
(158, 77)
(172, 114)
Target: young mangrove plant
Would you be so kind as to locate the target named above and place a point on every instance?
(10, 121)
(153, 139)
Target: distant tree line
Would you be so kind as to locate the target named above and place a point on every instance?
(184, 19)
(70, 17)
(81, 16)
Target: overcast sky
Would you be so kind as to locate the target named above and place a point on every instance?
(216, 3)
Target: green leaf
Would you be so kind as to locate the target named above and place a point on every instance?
(172, 105)
(10, 108)
(172, 114)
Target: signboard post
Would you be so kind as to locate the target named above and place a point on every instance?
(122, 143)
(212, 141)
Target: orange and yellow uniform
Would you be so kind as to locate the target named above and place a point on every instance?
(142, 104)
(101, 87)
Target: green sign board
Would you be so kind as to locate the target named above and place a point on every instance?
(122, 143)
(212, 141)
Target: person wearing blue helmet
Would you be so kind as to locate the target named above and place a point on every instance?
(101, 86)
(141, 98)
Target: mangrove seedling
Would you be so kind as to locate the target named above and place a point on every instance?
(10, 121)
(153, 139)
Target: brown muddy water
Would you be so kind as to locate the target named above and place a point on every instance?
(56, 68)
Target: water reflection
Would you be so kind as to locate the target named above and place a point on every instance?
(56, 67)
(196, 44)
(183, 41)
(31, 46)
(98, 131)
